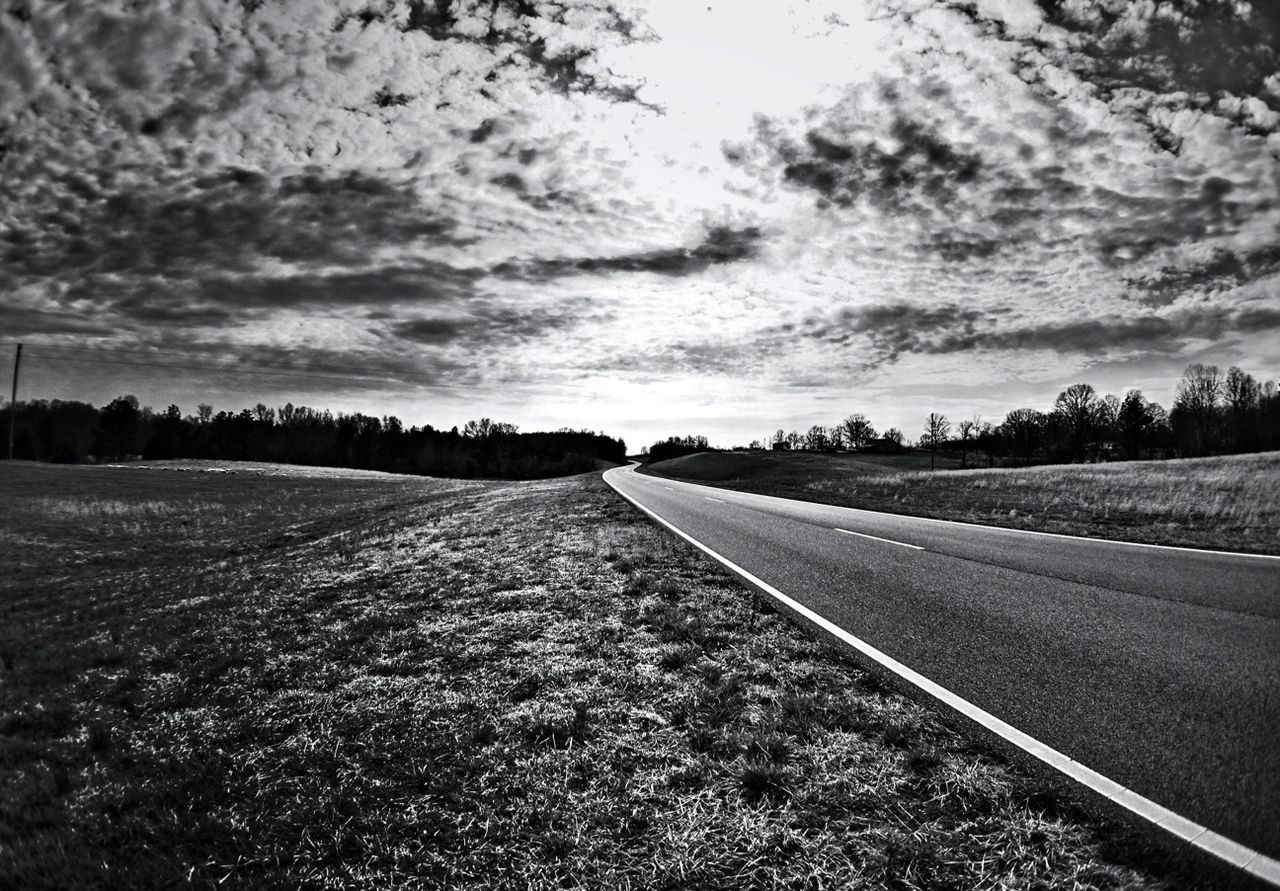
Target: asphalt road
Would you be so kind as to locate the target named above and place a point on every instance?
(1159, 668)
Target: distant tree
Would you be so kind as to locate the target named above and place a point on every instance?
(120, 430)
(755, 444)
(894, 435)
(477, 429)
(779, 437)
(858, 431)
(1108, 416)
(1243, 397)
(794, 439)
(677, 446)
(1023, 429)
(166, 435)
(968, 428)
(204, 413)
(936, 428)
(816, 439)
(1268, 421)
(1195, 409)
(1133, 421)
(835, 437)
(1077, 409)
(988, 441)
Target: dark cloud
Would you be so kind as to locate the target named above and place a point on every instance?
(1163, 56)
(424, 282)
(230, 220)
(492, 327)
(955, 248)
(19, 321)
(1223, 271)
(721, 245)
(843, 165)
(1149, 333)
(1199, 50)
(1257, 320)
(890, 329)
(147, 303)
(517, 32)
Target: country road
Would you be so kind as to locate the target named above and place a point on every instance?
(1158, 668)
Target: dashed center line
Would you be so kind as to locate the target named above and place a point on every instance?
(901, 544)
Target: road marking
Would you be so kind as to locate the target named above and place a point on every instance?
(1250, 861)
(901, 544)
(668, 488)
(720, 500)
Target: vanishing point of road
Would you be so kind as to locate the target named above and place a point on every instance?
(1157, 668)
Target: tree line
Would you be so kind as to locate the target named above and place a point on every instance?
(77, 432)
(1213, 413)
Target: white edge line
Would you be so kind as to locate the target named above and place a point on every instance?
(901, 544)
(718, 500)
(1250, 861)
(1114, 541)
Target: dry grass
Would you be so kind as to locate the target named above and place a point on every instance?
(425, 685)
(1228, 503)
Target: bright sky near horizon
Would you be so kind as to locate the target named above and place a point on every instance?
(647, 218)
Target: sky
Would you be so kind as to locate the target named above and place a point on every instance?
(646, 218)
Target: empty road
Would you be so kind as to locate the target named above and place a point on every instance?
(1158, 668)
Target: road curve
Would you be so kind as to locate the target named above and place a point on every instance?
(1157, 668)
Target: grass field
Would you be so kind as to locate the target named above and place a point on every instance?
(1228, 503)
(295, 680)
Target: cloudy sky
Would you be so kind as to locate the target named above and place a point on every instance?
(650, 218)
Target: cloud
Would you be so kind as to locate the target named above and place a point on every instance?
(721, 245)
(859, 153)
(494, 328)
(886, 331)
(1103, 336)
(231, 220)
(1223, 271)
(1176, 54)
(882, 334)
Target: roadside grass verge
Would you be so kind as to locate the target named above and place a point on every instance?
(1227, 503)
(427, 684)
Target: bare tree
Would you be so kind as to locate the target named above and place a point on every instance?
(1077, 409)
(1195, 407)
(779, 437)
(1243, 395)
(894, 435)
(936, 428)
(794, 439)
(858, 431)
(967, 428)
(1023, 429)
(816, 439)
(1109, 416)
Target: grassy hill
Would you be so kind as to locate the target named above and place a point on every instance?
(1229, 503)
(793, 467)
(254, 676)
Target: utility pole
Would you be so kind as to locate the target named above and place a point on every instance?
(13, 402)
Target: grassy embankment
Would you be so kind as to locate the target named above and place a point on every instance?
(373, 681)
(1228, 503)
